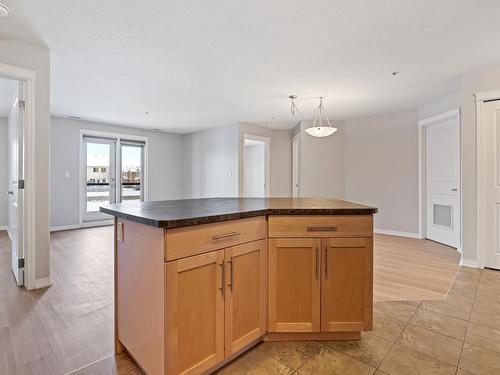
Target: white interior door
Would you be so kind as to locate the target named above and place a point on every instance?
(99, 176)
(295, 166)
(16, 180)
(489, 183)
(443, 181)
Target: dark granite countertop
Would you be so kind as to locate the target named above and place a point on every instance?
(185, 212)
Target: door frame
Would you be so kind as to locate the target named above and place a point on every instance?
(29, 224)
(296, 164)
(82, 168)
(422, 171)
(481, 172)
(267, 149)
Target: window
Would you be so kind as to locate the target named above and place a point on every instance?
(103, 170)
(96, 170)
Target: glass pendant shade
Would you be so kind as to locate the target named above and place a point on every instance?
(321, 126)
(321, 131)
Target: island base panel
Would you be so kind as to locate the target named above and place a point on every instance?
(312, 336)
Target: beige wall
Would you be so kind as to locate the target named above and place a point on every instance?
(322, 163)
(472, 83)
(381, 168)
(38, 59)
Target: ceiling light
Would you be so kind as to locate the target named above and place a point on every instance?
(321, 126)
(4, 11)
(293, 107)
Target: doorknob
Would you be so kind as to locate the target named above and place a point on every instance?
(10, 192)
(454, 189)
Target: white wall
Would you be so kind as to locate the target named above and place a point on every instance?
(322, 163)
(164, 166)
(4, 173)
(38, 59)
(440, 105)
(210, 163)
(381, 168)
(255, 170)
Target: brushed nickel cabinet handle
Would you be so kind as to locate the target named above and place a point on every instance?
(226, 235)
(230, 285)
(326, 262)
(319, 228)
(317, 262)
(223, 278)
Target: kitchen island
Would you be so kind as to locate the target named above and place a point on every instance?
(199, 281)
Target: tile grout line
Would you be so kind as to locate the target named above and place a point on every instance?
(468, 321)
(397, 339)
(280, 361)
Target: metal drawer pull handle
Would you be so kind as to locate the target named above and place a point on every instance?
(226, 235)
(317, 228)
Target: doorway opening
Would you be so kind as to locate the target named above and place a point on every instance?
(296, 166)
(255, 166)
(440, 179)
(113, 170)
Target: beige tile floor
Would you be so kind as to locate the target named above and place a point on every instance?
(456, 335)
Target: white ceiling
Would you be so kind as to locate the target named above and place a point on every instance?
(8, 88)
(197, 64)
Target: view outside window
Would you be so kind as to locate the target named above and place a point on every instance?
(98, 178)
(131, 173)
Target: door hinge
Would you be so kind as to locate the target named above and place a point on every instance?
(22, 105)
(20, 263)
(20, 184)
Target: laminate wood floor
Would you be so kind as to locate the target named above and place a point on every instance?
(412, 269)
(64, 328)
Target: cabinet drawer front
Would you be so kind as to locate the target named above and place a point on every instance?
(321, 226)
(187, 241)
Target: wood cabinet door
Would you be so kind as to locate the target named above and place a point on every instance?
(246, 294)
(194, 313)
(346, 284)
(294, 285)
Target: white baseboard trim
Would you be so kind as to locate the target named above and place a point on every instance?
(469, 263)
(100, 223)
(44, 282)
(87, 224)
(396, 233)
(65, 227)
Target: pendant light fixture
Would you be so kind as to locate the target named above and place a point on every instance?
(4, 11)
(293, 107)
(321, 126)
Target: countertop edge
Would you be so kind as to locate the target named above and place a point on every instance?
(185, 222)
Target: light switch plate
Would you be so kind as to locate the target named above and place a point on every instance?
(119, 232)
